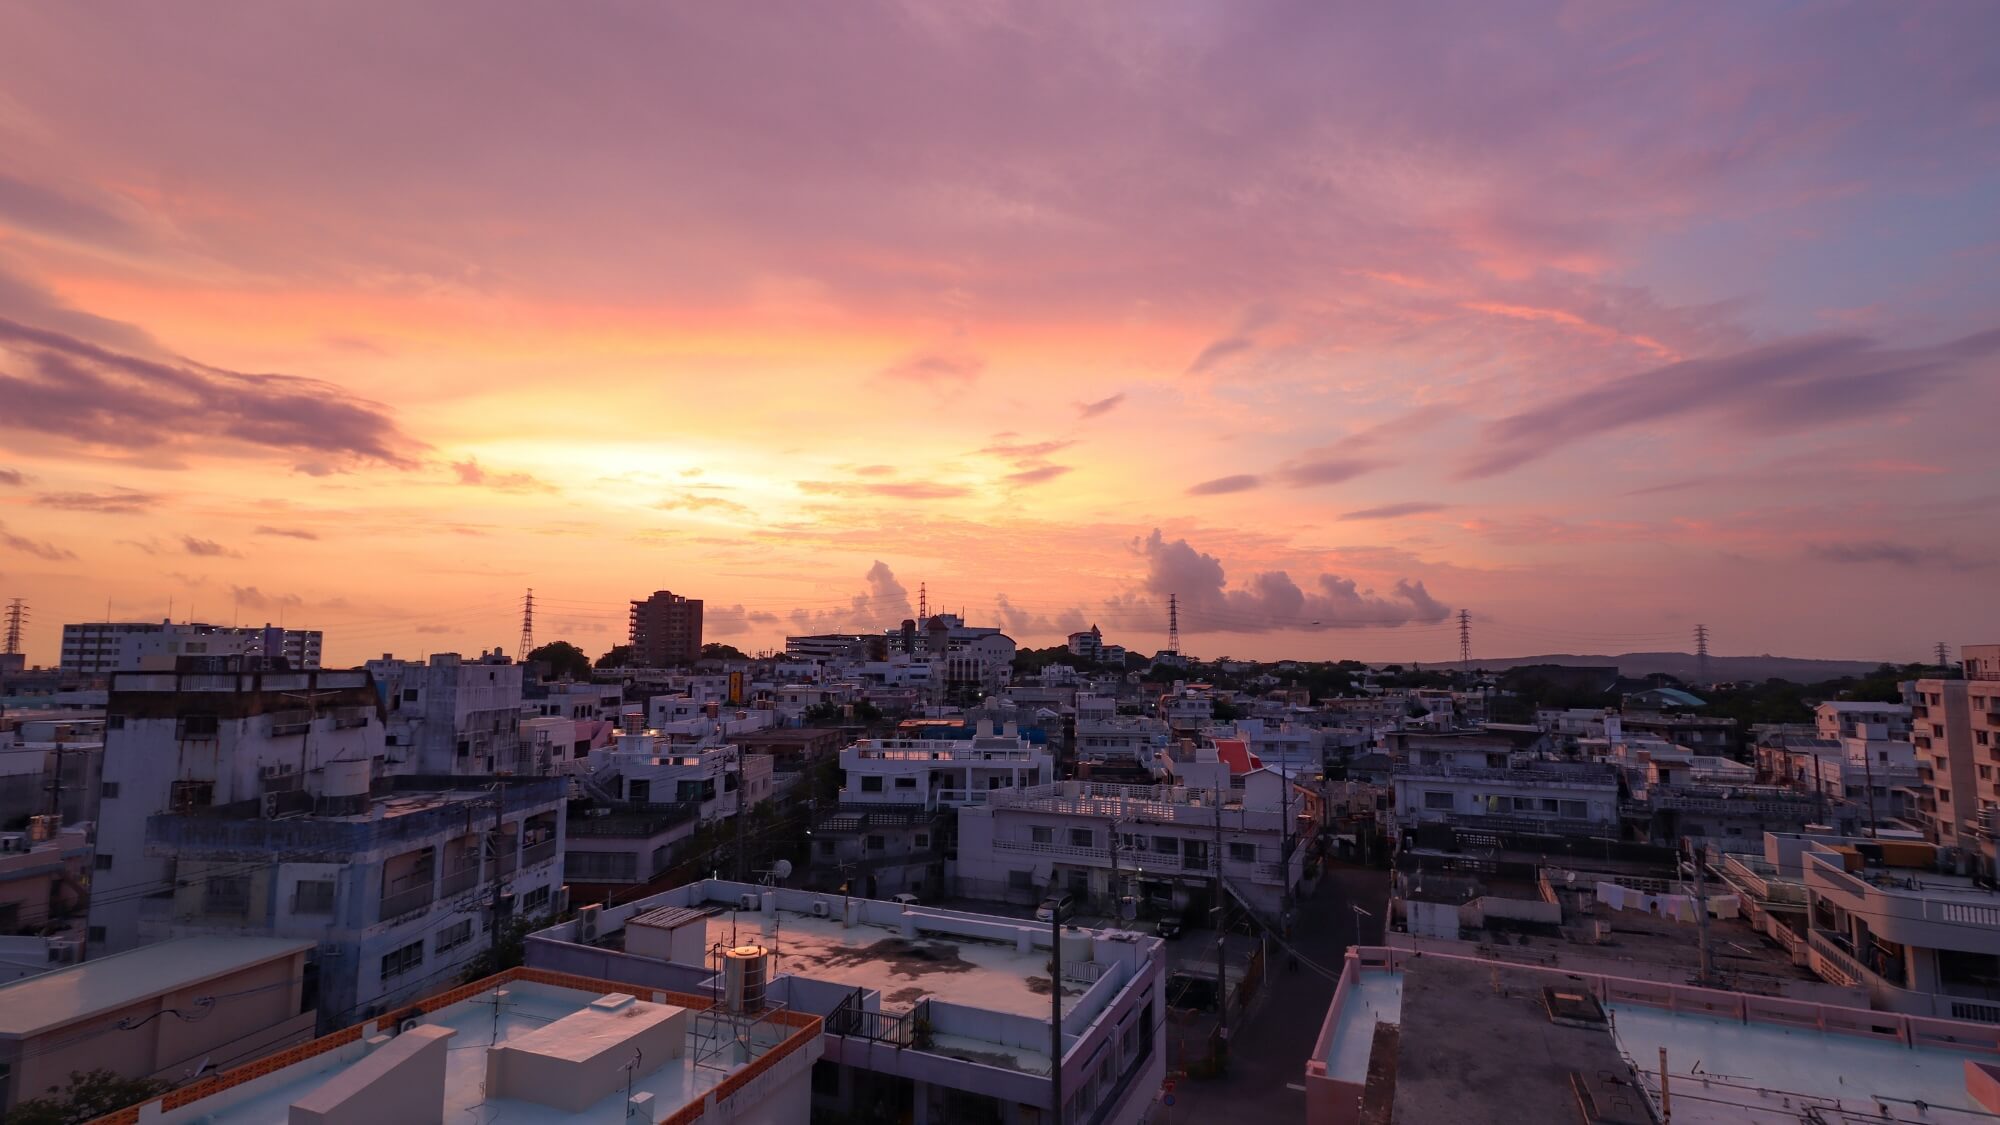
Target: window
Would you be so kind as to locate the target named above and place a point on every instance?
(110, 788)
(1194, 853)
(871, 785)
(226, 894)
(878, 844)
(535, 901)
(826, 848)
(409, 695)
(1016, 880)
(1242, 853)
(1082, 838)
(906, 783)
(313, 896)
(922, 840)
(1437, 800)
(402, 960)
(1576, 810)
(103, 862)
(453, 936)
(1041, 834)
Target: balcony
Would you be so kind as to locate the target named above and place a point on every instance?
(1762, 880)
(415, 897)
(1830, 959)
(460, 879)
(538, 853)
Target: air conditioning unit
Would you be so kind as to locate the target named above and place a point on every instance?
(270, 806)
(586, 923)
(64, 951)
(408, 1025)
(562, 900)
(822, 910)
(747, 902)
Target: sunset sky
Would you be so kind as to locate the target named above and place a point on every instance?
(1596, 319)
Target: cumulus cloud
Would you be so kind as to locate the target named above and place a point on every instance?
(287, 532)
(1796, 384)
(124, 502)
(1003, 446)
(885, 603)
(434, 630)
(1101, 406)
(1271, 600)
(1393, 511)
(697, 502)
(734, 620)
(250, 597)
(1018, 622)
(41, 549)
(13, 476)
(57, 385)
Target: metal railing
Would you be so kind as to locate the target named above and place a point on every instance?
(538, 853)
(459, 879)
(1843, 962)
(852, 1020)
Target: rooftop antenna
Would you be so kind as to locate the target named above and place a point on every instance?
(1465, 641)
(527, 626)
(1174, 624)
(17, 612)
(1701, 652)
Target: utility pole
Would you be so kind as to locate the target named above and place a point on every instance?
(739, 815)
(1221, 948)
(1284, 847)
(1055, 1012)
(1868, 772)
(56, 786)
(1707, 971)
(311, 700)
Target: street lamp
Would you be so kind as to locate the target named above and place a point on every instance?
(1359, 914)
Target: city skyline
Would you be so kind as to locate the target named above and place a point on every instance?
(1330, 323)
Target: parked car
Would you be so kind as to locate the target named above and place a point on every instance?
(1168, 926)
(906, 898)
(1056, 907)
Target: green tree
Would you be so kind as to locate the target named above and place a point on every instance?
(565, 660)
(620, 656)
(716, 651)
(91, 1094)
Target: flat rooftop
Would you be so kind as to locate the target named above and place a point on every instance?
(962, 970)
(484, 1020)
(106, 984)
(1472, 1032)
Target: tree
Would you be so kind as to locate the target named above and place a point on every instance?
(91, 1094)
(620, 656)
(716, 651)
(565, 660)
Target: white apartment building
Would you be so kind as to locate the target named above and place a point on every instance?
(1118, 739)
(1163, 846)
(942, 773)
(903, 1040)
(1876, 722)
(570, 699)
(653, 767)
(452, 715)
(1476, 786)
(1088, 643)
(1955, 727)
(100, 647)
(231, 807)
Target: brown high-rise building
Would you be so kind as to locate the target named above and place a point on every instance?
(666, 630)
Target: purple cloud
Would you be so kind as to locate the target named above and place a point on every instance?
(13, 477)
(287, 532)
(1795, 384)
(125, 502)
(1393, 511)
(899, 490)
(936, 368)
(41, 549)
(1241, 482)
(55, 384)
(1101, 406)
(1041, 474)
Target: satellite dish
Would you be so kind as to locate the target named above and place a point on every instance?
(781, 870)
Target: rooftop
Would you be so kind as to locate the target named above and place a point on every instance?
(1478, 1032)
(991, 975)
(105, 984)
(520, 1015)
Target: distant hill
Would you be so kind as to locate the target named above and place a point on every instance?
(1684, 666)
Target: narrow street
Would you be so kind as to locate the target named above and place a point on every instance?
(1268, 1056)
